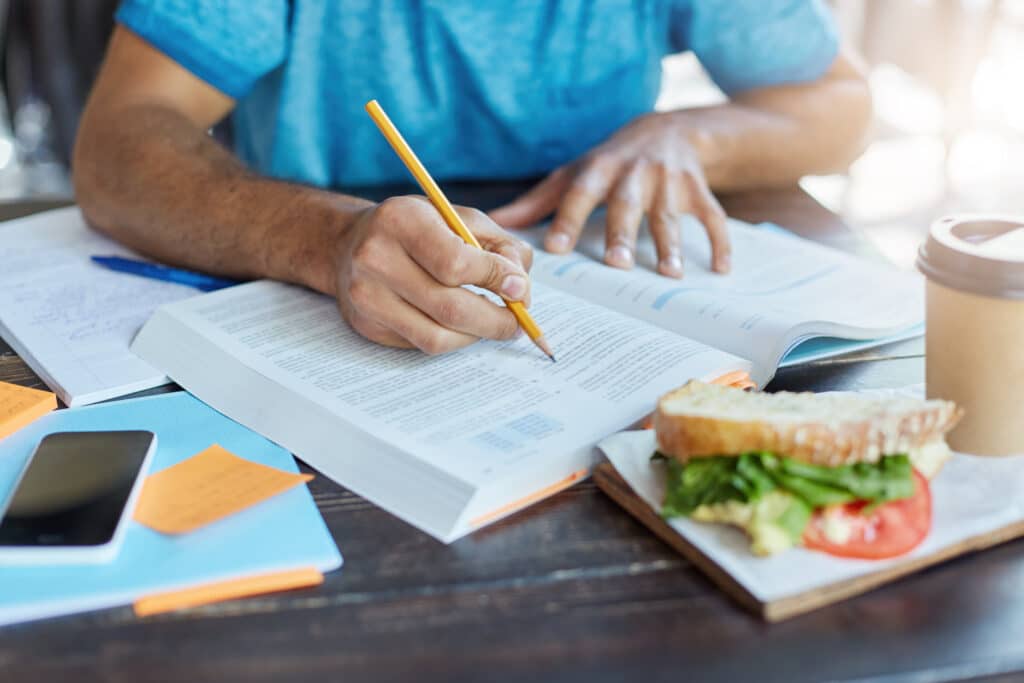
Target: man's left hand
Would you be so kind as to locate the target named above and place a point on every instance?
(649, 167)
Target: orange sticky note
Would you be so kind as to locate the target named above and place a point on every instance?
(740, 379)
(20, 406)
(231, 589)
(207, 487)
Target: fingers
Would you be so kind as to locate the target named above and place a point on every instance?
(664, 194)
(403, 282)
(707, 209)
(517, 251)
(588, 190)
(493, 238)
(496, 240)
(536, 204)
(625, 212)
(456, 308)
(453, 263)
(664, 222)
(686, 193)
(402, 275)
(380, 308)
(376, 332)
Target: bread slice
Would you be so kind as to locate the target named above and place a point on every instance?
(701, 419)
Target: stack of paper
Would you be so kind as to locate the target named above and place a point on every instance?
(70, 319)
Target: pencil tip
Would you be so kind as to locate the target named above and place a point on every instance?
(543, 346)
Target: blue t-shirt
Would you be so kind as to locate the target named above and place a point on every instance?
(480, 89)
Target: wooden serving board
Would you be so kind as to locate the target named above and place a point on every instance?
(609, 481)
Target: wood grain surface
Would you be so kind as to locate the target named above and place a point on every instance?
(572, 589)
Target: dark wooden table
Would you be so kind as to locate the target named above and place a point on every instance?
(571, 589)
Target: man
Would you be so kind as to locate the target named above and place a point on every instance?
(483, 90)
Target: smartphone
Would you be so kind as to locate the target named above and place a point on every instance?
(74, 498)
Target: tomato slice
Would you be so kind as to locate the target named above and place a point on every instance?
(888, 530)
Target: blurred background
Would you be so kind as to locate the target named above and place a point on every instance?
(947, 78)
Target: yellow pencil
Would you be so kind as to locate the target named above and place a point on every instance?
(441, 203)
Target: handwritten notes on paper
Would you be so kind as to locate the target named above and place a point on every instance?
(209, 486)
(72, 320)
(21, 405)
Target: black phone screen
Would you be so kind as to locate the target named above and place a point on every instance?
(75, 488)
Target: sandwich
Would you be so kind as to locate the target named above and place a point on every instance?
(839, 473)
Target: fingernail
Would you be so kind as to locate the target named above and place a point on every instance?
(513, 287)
(559, 242)
(673, 264)
(620, 256)
(723, 264)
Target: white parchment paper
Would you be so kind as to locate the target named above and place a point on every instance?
(972, 495)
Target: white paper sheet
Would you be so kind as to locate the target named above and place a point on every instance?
(70, 319)
(972, 495)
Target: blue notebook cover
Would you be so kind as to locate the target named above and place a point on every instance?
(284, 532)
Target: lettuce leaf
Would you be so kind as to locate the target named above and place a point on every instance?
(748, 477)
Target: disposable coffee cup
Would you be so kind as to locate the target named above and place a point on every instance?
(974, 339)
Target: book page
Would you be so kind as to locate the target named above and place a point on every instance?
(475, 413)
(781, 288)
(71, 320)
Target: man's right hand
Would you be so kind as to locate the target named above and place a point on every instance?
(147, 173)
(400, 272)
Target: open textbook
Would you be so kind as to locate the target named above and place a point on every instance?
(70, 319)
(454, 442)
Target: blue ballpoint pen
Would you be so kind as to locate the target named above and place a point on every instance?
(205, 283)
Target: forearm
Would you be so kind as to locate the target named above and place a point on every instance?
(148, 177)
(774, 136)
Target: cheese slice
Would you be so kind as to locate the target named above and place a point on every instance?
(761, 520)
(929, 458)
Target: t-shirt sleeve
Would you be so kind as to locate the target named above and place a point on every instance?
(746, 44)
(230, 44)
